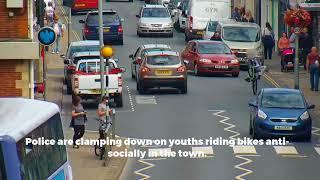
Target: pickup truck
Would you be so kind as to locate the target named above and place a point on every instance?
(86, 80)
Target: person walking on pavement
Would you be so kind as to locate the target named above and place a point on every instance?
(79, 115)
(312, 66)
(268, 40)
(102, 109)
(58, 29)
(236, 14)
(248, 17)
(292, 38)
(305, 45)
(283, 42)
(49, 10)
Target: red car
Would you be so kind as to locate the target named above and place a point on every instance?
(203, 56)
(81, 5)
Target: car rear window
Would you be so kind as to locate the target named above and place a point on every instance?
(163, 60)
(212, 27)
(84, 48)
(92, 67)
(108, 17)
(213, 48)
(76, 59)
(282, 100)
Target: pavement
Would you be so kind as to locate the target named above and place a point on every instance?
(83, 159)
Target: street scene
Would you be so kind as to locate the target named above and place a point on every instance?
(159, 89)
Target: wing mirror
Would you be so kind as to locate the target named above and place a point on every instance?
(81, 21)
(311, 106)
(131, 56)
(138, 16)
(253, 103)
(122, 19)
(62, 56)
(66, 61)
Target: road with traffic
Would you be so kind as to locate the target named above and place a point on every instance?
(215, 106)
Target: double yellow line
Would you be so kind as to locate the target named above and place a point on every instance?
(273, 82)
(67, 19)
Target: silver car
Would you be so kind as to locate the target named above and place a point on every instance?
(154, 19)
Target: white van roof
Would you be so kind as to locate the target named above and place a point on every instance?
(19, 116)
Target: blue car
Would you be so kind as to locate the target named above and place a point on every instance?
(112, 27)
(280, 112)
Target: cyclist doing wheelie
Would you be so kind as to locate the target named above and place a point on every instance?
(256, 64)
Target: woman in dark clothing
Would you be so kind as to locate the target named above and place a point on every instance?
(248, 17)
(268, 40)
(79, 116)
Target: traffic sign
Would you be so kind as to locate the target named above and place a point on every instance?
(47, 36)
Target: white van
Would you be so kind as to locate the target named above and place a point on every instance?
(241, 37)
(199, 12)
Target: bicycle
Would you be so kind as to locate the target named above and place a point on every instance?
(253, 77)
(103, 134)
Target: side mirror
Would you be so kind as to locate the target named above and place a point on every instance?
(138, 16)
(66, 61)
(253, 104)
(116, 60)
(81, 21)
(311, 106)
(123, 69)
(63, 56)
(185, 62)
(131, 56)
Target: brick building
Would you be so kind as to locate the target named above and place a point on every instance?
(18, 50)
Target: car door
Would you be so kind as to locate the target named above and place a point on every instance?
(185, 56)
(133, 65)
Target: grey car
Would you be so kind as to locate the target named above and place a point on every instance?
(154, 20)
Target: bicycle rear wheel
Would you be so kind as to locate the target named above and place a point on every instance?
(102, 151)
(254, 84)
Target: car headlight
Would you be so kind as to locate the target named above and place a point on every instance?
(169, 25)
(234, 61)
(144, 25)
(304, 116)
(205, 60)
(261, 114)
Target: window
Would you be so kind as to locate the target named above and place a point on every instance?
(93, 67)
(84, 48)
(163, 60)
(76, 59)
(136, 53)
(241, 34)
(40, 162)
(153, 49)
(108, 17)
(212, 26)
(213, 48)
(282, 100)
(155, 12)
(2, 166)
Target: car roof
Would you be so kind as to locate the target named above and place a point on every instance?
(238, 24)
(207, 41)
(86, 53)
(154, 6)
(281, 90)
(85, 43)
(20, 116)
(105, 10)
(155, 53)
(150, 46)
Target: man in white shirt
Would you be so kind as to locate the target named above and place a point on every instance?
(58, 29)
(292, 38)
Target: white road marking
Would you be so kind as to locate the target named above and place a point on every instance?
(130, 99)
(244, 150)
(316, 131)
(146, 100)
(317, 150)
(239, 166)
(286, 150)
(138, 172)
(223, 121)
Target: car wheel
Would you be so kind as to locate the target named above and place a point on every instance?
(196, 70)
(235, 75)
(133, 76)
(141, 88)
(255, 134)
(184, 89)
(119, 101)
(186, 38)
(69, 88)
(250, 127)
(170, 35)
(308, 136)
(139, 34)
(138, 86)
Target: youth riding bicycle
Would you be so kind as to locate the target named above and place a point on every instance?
(255, 71)
(104, 132)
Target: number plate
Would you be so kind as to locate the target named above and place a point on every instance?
(286, 128)
(96, 91)
(163, 72)
(200, 32)
(221, 67)
(106, 30)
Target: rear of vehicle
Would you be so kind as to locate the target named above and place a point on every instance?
(210, 30)
(200, 12)
(112, 27)
(242, 38)
(84, 5)
(162, 69)
(154, 20)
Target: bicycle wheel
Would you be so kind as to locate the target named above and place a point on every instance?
(102, 151)
(254, 86)
(97, 150)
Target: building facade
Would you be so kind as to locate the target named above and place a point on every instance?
(18, 50)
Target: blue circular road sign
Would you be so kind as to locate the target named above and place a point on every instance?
(46, 36)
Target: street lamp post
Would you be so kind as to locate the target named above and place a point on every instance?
(296, 61)
(102, 66)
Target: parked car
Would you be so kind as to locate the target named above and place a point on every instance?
(112, 27)
(211, 28)
(161, 69)
(136, 57)
(182, 15)
(86, 80)
(154, 20)
(280, 112)
(75, 47)
(200, 12)
(242, 37)
(81, 5)
(203, 56)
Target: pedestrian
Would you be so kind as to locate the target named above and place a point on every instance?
(79, 115)
(242, 12)
(236, 14)
(283, 42)
(313, 67)
(248, 17)
(292, 38)
(268, 40)
(59, 30)
(102, 109)
(50, 1)
(216, 37)
(49, 13)
(305, 45)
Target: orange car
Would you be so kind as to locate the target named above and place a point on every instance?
(161, 69)
(81, 5)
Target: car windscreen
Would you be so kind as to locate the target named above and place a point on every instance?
(155, 12)
(84, 48)
(93, 67)
(163, 60)
(213, 48)
(241, 34)
(212, 26)
(108, 17)
(153, 49)
(282, 100)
